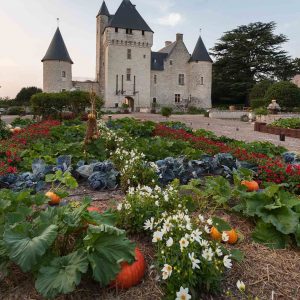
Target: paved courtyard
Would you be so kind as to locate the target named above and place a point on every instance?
(230, 128)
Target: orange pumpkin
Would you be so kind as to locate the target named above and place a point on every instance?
(54, 199)
(233, 236)
(251, 185)
(215, 234)
(131, 275)
(93, 208)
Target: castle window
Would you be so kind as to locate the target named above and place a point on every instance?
(128, 31)
(155, 79)
(201, 80)
(177, 98)
(171, 62)
(116, 29)
(63, 90)
(63, 74)
(128, 75)
(181, 79)
(144, 55)
(143, 32)
(154, 100)
(116, 105)
(128, 53)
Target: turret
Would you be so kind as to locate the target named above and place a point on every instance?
(57, 66)
(102, 22)
(201, 76)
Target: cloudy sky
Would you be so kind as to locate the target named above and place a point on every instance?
(27, 27)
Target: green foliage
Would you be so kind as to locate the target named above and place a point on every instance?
(23, 97)
(192, 110)
(286, 93)
(293, 123)
(53, 104)
(247, 54)
(4, 131)
(259, 89)
(166, 111)
(274, 207)
(259, 103)
(20, 122)
(261, 111)
(15, 110)
(40, 240)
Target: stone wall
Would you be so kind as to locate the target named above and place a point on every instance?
(53, 82)
(87, 86)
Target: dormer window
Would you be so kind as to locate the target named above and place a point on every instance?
(128, 31)
(116, 29)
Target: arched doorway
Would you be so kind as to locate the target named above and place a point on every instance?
(130, 102)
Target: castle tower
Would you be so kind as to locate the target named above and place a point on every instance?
(102, 21)
(127, 43)
(200, 76)
(57, 66)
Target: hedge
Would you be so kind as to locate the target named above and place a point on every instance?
(54, 104)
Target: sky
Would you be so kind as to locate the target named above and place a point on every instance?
(27, 27)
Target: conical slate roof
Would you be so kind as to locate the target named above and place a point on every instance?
(103, 10)
(200, 53)
(57, 49)
(128, 17)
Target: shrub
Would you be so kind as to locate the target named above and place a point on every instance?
(4, 131)
(261, 111)
(286, 93)
(196, 111)
(166, 111)
(15, 110)
(259, 90)
(23, 97)
(293, 123)
(53, 104)
(259, 102)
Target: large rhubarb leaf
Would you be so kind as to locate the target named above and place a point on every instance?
(62, 275)
(107, 247)
(268, 235)
(25, 246)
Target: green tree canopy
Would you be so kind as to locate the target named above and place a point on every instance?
(286, 93)
(26, 93)
(248, 54)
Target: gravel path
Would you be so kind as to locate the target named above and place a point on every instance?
(230, 128)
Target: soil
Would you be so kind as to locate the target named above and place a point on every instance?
(268, 274)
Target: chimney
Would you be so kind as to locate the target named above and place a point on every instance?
(179, 37)
(167, 43)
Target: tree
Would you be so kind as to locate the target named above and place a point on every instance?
(166, 111)
(286, 93)
(248, 54)
(23, 97)
(258, 92)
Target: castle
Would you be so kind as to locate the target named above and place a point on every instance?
(127, 71)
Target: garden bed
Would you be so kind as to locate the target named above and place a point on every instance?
(263, 127)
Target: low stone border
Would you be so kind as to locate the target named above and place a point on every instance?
(263, 127)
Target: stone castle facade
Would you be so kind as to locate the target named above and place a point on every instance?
(127, 71)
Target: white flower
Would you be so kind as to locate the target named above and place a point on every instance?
(225, 237)
(170, 242)
(183, 243)
(227, 262)
(241, 285)
(120, 206)
(149, 224)
(127, 205)
(156, 203)
(183, 294)
(207, 229)
(209, 221)
(157, 236)
(195, 262)
(203, 243)
(219, 251)
(207, 254)
(201, 218)
(166, 271)
(196, 235)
